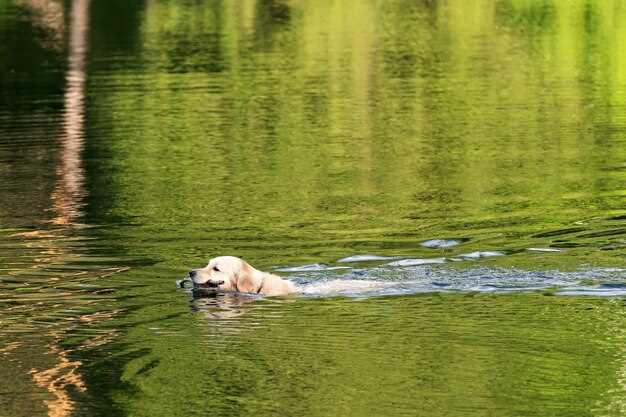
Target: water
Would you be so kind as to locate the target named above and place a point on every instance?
(445, 181)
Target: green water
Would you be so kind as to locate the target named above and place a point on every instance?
(138, 139)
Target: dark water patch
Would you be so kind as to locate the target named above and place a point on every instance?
(559, 232)
(565, 245)
(602, 233)
(614, 246)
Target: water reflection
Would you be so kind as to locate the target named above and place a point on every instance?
(45, 295)
(302, 133)
(64, 380)
(396, 127)
(69, 192)
(58, 380)
(49, 15)
(221, 305)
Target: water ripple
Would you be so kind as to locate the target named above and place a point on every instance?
(387, 280)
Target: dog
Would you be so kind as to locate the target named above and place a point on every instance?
(232, 274)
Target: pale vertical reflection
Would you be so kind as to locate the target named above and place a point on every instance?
(57, 380)
(67, 199)
(69, 192)
(64, 377)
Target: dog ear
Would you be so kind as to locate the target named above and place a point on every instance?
(246, 281)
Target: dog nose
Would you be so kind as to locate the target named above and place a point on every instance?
(192, 273)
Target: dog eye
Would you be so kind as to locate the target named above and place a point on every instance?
(216, 269)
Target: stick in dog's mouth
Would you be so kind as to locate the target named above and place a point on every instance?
(209, 284)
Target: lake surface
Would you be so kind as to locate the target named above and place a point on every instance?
(445, 181)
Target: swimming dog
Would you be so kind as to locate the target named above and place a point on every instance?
(232, 274)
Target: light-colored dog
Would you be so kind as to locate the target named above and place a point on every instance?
(232, 274)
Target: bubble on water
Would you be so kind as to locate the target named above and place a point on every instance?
(481, 254)
(440, 243)
(311, 267)
(365, 258)
(544, 250)
(415, 262)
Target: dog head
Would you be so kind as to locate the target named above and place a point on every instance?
(226, 273)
